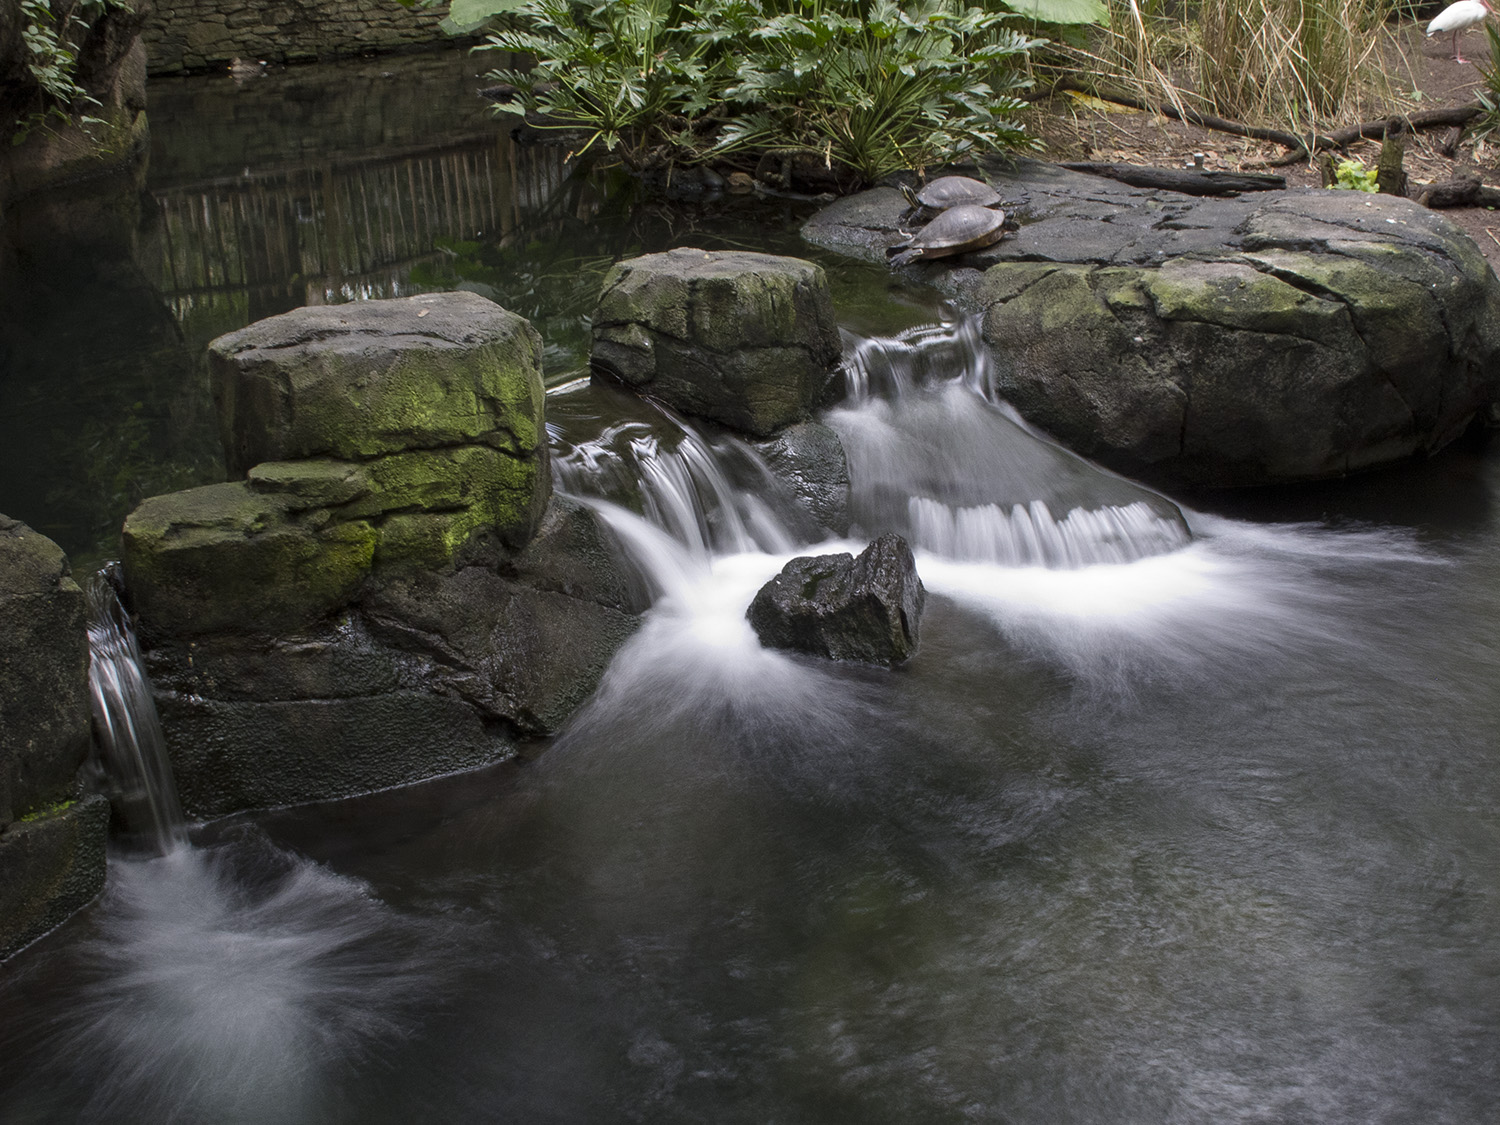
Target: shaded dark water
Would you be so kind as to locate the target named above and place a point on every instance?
(1211, 836)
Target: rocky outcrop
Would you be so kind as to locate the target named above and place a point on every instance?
(748, 340)
(387, 595)
(866, 608)
(1285, 336)
(372, 437)
(51, 840)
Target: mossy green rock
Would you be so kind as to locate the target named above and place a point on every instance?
(44, 667)
(51, 864)
(225, 557)
(745, 339)
(426, 672)
(373, 377)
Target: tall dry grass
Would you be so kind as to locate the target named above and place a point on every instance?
(1289, 64)
(1297, 62)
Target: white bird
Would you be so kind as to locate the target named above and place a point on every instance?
(1459, 17)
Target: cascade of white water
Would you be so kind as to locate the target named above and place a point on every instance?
(699, 493)
(1030, 536)
(935, 455)
(128, 730)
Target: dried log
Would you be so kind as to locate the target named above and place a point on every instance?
(1467, 191)
(1338, 138)
(1409, 123)
(1189, 181)
(1193, 117)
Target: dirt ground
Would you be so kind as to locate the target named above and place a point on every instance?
(1074, 130)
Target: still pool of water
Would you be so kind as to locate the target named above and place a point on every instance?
(1210, 835)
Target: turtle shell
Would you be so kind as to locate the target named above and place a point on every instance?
(956, 191)
(957, 231)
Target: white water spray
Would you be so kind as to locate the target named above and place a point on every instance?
(128, 730)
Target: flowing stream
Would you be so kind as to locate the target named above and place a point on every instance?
(1180, 814)
(1174, 817)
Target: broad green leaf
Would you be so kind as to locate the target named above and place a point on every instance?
(1060, 11)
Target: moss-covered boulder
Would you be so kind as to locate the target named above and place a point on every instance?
(44, 668)
(52, 862)
(749, 340)
(361, 380)
(1278, 337)
(399, 434)
(51, 841)
(386, 595)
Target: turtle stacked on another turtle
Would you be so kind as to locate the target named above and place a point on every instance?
(962, 220)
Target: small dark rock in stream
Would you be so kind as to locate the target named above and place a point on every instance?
(749, 340)
(810, 458)
(844, 607)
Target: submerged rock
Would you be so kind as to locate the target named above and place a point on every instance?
(1285, 336)
(51, 841)
(749, 340)
(809, 458)
(844, 607)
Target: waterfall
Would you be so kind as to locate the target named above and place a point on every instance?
(675, 498)
(935, 455)
(1030, 536)
(138, 773)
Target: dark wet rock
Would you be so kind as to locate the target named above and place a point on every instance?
(748, 340)
(51, 842)
(844, 607)
(427, 672)
(809, 458)
(51, 864)
(44, 668)
(1285, 336)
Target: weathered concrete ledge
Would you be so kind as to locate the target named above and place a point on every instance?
(1277, 337)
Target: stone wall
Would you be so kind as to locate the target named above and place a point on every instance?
(196, 35)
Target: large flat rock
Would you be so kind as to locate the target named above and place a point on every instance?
(1276, 337)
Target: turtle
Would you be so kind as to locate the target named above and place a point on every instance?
(957, 230)
(950, 191)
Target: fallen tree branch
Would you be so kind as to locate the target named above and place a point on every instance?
(1193, 117)
(1465, 192)
(1338, 138)
(1409, 122)
(1188, 181)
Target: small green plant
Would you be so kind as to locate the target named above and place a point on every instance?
(48, 30)
(1488, 95)
(869, 86)
(892, 86)
(1353, 175)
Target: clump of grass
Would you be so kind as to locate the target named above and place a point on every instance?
(1293, 62)
(1289, 64)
